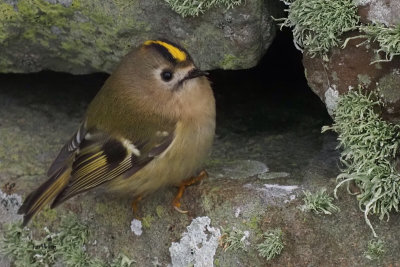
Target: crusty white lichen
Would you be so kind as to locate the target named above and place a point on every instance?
(197, 246)
(9, 205)
(331, 99)
(275, 193)
(136, 227)
(382, 11)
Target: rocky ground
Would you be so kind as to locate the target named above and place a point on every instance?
(268, 150)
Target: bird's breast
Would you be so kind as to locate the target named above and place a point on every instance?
(181, 160)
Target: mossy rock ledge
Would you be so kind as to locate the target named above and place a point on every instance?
(91, 36)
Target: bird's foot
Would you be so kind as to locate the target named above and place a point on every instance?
(135, 204)
(177, 200)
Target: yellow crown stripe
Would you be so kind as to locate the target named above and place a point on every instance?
(174, 51)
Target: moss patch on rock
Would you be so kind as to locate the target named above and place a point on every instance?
(51, 26)
(272, 245)
(388, 39)
(375, 250)
(234, 239)
(319, 202)
(66, 246)
(193, 8)
(318, 24)
(370, 147)
(230, 61)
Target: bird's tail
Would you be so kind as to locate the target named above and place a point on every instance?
(46, 193)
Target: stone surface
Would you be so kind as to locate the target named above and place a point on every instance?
(91, 36)
(36, 120)
(379, 11)
(351, 66)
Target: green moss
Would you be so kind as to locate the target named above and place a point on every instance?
(66, 246)
(272, 245)
(370, 146)
(375, 250)
(112, 212)
(72, 28)
(364, 79)
(147, 221)
(207, 202)
(45, 217)
(7, 14)
(193, 8)
(40, 16)
(160, 211)
(253, 223)
(101, 208)
(44, 14)
(388, 86)
(229, 62)
(318, 24)
(387, 37)
(122, 261)
(319, 202)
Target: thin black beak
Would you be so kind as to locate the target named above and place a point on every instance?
(195, 73)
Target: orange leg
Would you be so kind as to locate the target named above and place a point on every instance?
(177, 200)
(135, 203)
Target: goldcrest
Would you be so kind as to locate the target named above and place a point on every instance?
(151, 125)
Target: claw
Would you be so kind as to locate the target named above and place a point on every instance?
(177, 200)
(180, 211)
(135, 203)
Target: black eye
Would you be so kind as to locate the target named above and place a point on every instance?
(166, 75)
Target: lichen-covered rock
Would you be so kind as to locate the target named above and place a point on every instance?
(91, 36)
(379, 11)
(367, 55)
(197, 246)
(350, 67)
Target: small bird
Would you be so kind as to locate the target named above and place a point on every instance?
(151, 125)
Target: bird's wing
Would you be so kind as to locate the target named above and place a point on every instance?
(68, 150)
(96, 157)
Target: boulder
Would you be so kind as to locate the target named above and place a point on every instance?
(360, 62)
(91, 36)
(350, 67)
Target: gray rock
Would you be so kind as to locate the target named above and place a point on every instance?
(91, 36)
(350, 67)
(236, 169)
(381, 11)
